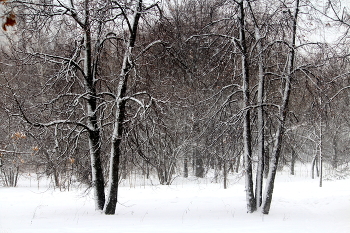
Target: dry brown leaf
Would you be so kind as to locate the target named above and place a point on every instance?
(10, 20)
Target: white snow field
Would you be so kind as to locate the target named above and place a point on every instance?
(189, 205)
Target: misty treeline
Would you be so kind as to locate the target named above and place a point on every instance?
(97, 91)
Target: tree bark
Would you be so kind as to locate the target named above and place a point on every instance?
(314, 164)
(335, 152)
(94, 131)
(321, 142)
(225, 175)
(185, 168)
(199, 169)
(266, 162)
(52, 164)
(112, 193)
(261, 120)
(247, 138)
(292, 163)
(238, 161)
(282, 116)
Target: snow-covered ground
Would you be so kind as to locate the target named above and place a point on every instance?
(189, 205)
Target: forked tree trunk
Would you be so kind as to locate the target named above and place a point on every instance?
(112, 193)
(282, 117)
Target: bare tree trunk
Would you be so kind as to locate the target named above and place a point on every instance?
(96, 169)
(54, 165)
(238, 161)
(94, 131)
(225, 174)
(261, 120)
(314, 164)
(199, 167)
(247, 138)
(112, 195)
(292, 162)
(335, 153)
(266, 162)
(197, 156)
(282, 116)
(225, 161)
(185, 168)
(321, 165)
(321, 142)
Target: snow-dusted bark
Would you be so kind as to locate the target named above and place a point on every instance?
(260, 110)
(94, 131)
(112, 193)
(247, 138)
(261, 125)
(282, 118)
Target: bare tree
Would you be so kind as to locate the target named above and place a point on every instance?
(83, 69)
(282, 114)
(247, 137)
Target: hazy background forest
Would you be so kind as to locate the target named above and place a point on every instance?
(94, 92)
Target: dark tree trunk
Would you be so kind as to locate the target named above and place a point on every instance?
(238, 162)
(199, 169)
(185, 168)
(314, 164)
(276, 153)
(335, 153)
(56, 178)
(197, 156)
(292, 162)
(266, 162)
(93, 131)
(124, 169)
(97, 172)
(225, 175)
(261, 120)
(247, 140)
(112, 195)
(147, 170)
